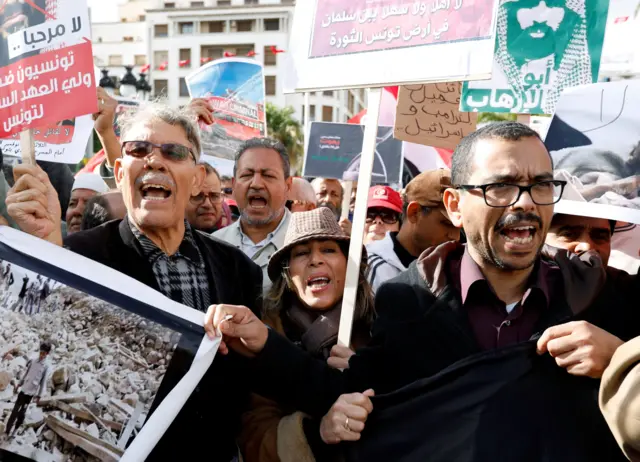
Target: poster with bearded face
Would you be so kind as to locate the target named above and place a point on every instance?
(542, 47)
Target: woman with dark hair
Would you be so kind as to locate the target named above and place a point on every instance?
(303, 304)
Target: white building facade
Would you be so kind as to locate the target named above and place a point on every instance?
(176, 37)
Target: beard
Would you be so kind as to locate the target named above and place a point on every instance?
(337, 211)
(258, 221)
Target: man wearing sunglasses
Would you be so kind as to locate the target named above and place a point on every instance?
(464, 302)
(384, 209)
(158, 174)
(204, 209)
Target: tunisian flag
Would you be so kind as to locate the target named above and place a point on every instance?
(422, 157)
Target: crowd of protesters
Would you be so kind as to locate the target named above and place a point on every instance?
(455, 264)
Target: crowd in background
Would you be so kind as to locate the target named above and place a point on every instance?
(464, 248)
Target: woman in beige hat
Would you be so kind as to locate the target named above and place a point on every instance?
(303, 304)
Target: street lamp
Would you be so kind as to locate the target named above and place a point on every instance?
(106, 82)
(143, 87)
(128, 83)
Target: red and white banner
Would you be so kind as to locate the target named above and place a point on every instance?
(47, 73)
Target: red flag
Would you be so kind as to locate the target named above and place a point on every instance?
(163, 65)
(228, 55)
(205, 60)
(251, 54)
(184, 62)
(275, 50)
(621, 19)
(145, 68)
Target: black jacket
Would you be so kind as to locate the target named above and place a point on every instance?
(210, 420)
(417, 334)
(501, 405)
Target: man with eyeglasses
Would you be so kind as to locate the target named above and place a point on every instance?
(204, 209)
(464, 302)
(302, 197)
(425, 224)
(157, 174)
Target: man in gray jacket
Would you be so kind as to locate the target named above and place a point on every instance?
(425, 224)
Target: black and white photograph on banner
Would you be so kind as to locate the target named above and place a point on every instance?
(334, 151)
(594, 140)
(82, 366)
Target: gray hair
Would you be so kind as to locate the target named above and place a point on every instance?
(159, 110)
(210, 170)
(265, 143)
(302, 190)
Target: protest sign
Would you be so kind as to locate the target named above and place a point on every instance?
(115, 354)
(428, 114)
(594, 140)
(124, 105)
(46, 73)
(335, 150)
(63, 142)
(541, 49)
(373, 45)
(235, 89)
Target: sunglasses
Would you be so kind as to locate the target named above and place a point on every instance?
(215, 198)
(227, 191)
(387, 217)
(170, 151)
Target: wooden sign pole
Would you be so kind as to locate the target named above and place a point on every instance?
(306, 128)
(359, 216)
(28, 147)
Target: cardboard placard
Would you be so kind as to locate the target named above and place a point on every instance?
(428, 114)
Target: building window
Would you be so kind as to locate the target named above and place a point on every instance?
(270, 85)
(115, 60)
(184, 91)
(161, 30)
(246, 25)
(327, 113)
(127, 39)
(312, 113)
(271, 24)
(123, 20)
(185, 57)
(197, 4)
(160, 87)
(224, 2)
(211, 51)
(185, 28)
(141, 18)
(351, 102)
(140, 60)
(212, 27)
(243, 50)
(270, 59)
(328, 93)
(250, 2)
(160, 58)
(169, 4)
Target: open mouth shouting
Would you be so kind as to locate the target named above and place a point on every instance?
(257, 201)
(318, 283)
(156, 188)
(519, 237)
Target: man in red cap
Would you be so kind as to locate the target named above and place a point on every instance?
(425, 224)
(384, 209)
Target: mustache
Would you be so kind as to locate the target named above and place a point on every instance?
(255, 193)
(516, 218)
(155, 177)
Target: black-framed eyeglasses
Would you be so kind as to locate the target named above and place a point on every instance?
(215, 198)
(388, 217)
(506, 194)
(171, 151)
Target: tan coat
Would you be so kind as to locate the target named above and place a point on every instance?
(269, 432)
(620, 397)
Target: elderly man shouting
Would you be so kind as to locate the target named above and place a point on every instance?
(157, 174)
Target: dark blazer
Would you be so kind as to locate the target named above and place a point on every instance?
(210, 420)
(416, 335)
